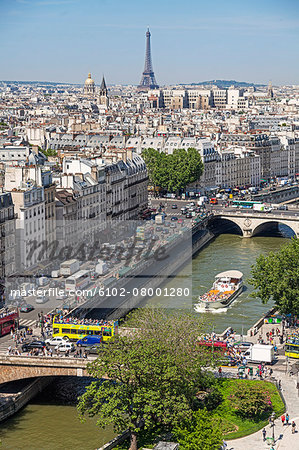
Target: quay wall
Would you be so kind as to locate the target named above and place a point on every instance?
(176, 264)
(149, 274)
(281, 195)
(11, 403)
(256, 327)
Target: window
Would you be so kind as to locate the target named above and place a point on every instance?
(65, 330)
(74, 331)
(107, 332)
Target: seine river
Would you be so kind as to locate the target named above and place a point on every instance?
(45, 427)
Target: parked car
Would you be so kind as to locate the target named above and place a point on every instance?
(228, 361)
(42, 299)
(62, 297)
(57, 340)
(33, 345)
(94, 349)
(65, 346)
(26, 308)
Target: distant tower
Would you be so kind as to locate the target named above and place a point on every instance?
(89, 86)
(270, 90)
(148, 80)
(103, 94)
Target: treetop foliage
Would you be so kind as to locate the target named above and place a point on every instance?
(175, 171)
(276, 277)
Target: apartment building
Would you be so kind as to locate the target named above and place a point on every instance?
(29, 205)
(259, 143)
(238, 166)
(7, 241)
(66, 218)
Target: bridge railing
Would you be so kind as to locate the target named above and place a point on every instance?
(264, 215)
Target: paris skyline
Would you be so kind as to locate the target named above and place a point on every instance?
(63, 40)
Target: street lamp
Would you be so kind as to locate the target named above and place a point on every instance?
(272, 419)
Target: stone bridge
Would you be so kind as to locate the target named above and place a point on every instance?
(253, 222)
(17, 367)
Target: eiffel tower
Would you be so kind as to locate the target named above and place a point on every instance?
(148, 80)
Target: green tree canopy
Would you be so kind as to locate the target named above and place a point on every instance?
(173, 172)
(48, 152)
(201, 431)
(152, 376)
(276, 277)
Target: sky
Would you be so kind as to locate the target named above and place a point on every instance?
(192, 40)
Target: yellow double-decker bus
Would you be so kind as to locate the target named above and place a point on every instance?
(292, 347)
(76, 331)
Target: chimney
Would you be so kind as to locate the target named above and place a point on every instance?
(94, 173)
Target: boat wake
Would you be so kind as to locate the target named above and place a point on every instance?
(202, 309)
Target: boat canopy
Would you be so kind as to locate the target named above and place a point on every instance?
(230, 274)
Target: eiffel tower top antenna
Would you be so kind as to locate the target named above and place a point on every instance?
(148, 80)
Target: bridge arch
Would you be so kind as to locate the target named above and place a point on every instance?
(268, 224)
(224, 225)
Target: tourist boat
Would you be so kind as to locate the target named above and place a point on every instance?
(227, 286)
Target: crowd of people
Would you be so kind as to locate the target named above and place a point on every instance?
(5, 312)
(215, 295)
(75, 321)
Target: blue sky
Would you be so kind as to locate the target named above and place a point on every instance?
(192, 40)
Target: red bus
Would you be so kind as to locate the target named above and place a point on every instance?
(217, 345)
(9, 320)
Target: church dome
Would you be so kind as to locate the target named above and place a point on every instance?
(89, 80)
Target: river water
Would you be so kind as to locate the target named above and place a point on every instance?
(226, 252)
(41, 426)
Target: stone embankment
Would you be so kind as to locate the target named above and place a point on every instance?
(15, 395)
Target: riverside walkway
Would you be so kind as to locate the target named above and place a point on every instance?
(284, 439)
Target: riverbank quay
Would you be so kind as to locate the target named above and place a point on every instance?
(15, 395)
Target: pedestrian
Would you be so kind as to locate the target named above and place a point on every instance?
(293, 427)
(283, 418)
(220, 371)
(270, 372)
(287, 419)
(279, 385)
(264, 432)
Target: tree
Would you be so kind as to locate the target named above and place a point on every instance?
(152, 376)
(276, 277)
(173, 172)
(48, 152)
(200, 432)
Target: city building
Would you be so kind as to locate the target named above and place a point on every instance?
(89, 86)
(7, 241)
